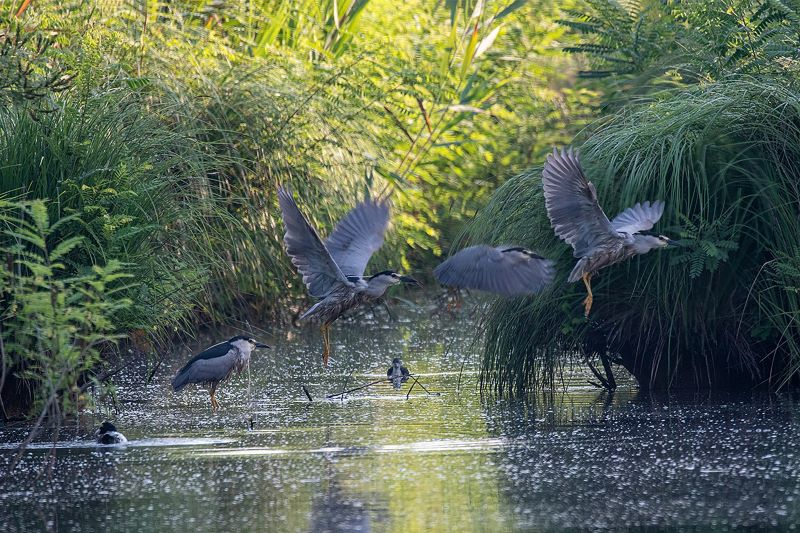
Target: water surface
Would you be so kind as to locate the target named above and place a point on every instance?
(576, 458)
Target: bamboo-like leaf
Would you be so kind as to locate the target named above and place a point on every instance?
(487, 42)
(469, 52)
(478, 10)
(513, 6)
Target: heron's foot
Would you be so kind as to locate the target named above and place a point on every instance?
(455, 303)
(214, 403)
(587, 305)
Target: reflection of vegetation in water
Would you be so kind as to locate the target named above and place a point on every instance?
(571, 458)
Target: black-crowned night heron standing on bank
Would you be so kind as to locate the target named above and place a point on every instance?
(397, 373)
(333, 271)
(107, 434)
(578, 219)
(504, 270)
(216, 364)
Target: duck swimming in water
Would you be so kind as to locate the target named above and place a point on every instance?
(107, 434)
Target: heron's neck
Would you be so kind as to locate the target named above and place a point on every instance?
(376, 286)
(244, 347)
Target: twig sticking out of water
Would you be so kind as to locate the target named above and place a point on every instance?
(308, 394)
(342, 394)
(350, 375)
(411, 388)
(607, 382)
(416, 380)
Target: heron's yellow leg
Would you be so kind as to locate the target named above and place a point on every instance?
(214, 402)
(587, 303)
(326, 343)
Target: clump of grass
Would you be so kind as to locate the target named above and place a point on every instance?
(724, 157)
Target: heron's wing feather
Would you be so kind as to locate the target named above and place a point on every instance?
(218, 350)
(505, 270)
(309, 254)
(640, 217)
(359, 235)
(571, 202)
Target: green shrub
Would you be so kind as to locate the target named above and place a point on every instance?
(54, 324)
(719, 312)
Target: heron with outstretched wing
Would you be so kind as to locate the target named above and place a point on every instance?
(333, 271)
(506, 270)
(577, 218)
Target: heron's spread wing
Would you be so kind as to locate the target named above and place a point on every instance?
(310, 256)
(505, 270)
(571, 202)
(640, 217)
(359, 235)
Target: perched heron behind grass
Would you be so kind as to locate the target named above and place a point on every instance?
(333, 271)
(504, 270)
(216, 364)
(397, 373)
(578, 219)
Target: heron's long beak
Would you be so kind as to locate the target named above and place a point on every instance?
(672, 242)
(262, 345)
(407, 279)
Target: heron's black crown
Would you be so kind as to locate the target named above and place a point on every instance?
(241, 338)
(522, 250)
(384, 273)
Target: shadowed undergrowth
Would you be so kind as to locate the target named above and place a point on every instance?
(722, 310)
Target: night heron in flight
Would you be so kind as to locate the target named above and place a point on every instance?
(504, 270)
(333, 271)
(216, 364)
(107, 434)
(397, 373)
(578, 219)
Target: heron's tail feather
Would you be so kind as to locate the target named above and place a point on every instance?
(180, 380)
(310, 311)
(578, 271)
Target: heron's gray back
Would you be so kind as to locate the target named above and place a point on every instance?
(207, 370)
(504, 270)
(338, 302)
(601, 258)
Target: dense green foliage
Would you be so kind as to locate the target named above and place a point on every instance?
(150, 137)
(719, 143)
(157, 132)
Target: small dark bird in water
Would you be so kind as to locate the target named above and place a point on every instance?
(107, 434)
(397, 373)
(216, 364)
(578, 219)
(333, 270)
(506, 270)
